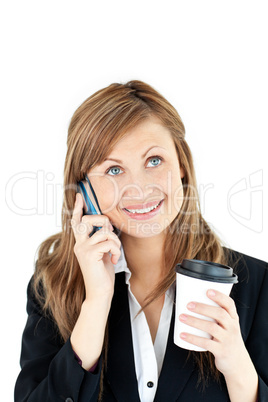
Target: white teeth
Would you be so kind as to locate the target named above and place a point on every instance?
(142, 211)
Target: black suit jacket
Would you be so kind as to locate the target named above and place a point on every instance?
(50, 372)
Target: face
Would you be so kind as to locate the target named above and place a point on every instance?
(139, 185)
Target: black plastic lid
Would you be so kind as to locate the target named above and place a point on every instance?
(207, 271)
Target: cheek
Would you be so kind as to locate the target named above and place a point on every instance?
(107, 193)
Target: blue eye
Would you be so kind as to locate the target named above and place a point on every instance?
(114, 171)
(155, 161)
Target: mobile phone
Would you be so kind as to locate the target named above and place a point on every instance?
(90, 201)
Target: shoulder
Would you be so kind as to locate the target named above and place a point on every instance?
(251, 292)
(36, 301)
(246, 267)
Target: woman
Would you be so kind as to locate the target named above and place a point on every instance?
(100, 303)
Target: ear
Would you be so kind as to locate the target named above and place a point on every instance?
(182, 171)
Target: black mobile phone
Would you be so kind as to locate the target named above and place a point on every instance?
(90, 201)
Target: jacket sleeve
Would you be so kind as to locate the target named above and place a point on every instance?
(49, 370)
(257, 342)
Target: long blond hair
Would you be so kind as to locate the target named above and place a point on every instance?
(96, 126)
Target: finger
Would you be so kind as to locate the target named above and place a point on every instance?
(224, 301)
(78, 208)
(97, 220)
(82, 225)
(217, 313)
(101, 222)
(205, 343)
(77, 213)
(108, 246)
(108, 257)
(211, 327)
(102, 235)
(82, 230)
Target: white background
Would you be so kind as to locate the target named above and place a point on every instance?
(208, 58)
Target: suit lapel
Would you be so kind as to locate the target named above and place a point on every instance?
(176, 370)
(121, 373)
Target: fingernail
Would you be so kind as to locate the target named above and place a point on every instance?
(183, 336)
(211, 293)
(183, 317)
(191, 306)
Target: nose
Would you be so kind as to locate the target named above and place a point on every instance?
(139, 188)
(135, 192)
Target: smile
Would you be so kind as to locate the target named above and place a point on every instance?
(143, 213)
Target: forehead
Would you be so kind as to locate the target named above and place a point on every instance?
(149, 132)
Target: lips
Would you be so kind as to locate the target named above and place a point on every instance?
(143, 211)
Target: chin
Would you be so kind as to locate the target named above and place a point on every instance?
(143, 230)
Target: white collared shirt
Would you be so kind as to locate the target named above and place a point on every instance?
(148, 356)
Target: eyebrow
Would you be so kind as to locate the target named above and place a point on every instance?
(145, 153)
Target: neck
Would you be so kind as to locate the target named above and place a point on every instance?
(144, 257)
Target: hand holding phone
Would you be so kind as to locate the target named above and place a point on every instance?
(96, 253)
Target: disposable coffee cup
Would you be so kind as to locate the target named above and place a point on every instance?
(193, 279)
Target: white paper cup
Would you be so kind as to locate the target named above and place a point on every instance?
(193, 279)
